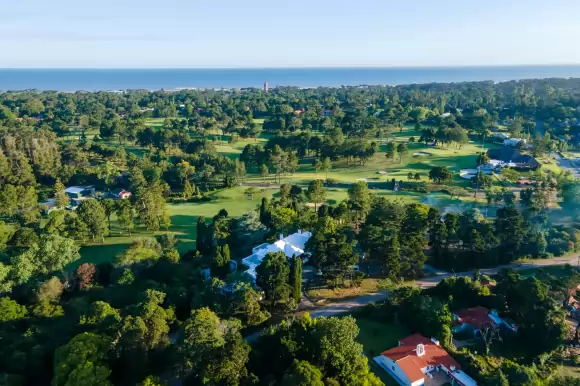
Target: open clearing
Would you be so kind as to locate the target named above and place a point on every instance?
(183, 224)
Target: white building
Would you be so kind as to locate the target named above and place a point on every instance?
(500, 136)
(292, 245)
(417, 358)
(513, 142)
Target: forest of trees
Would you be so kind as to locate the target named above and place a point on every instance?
(150, 317)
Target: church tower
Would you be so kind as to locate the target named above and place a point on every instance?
(266, 86)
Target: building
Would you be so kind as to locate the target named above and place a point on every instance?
(477, 318)
(327, 113)
(78, 194)
(512, 156)
(48, 206)
(417, 358)
(499, 136)
(513, 142)
(292, 245)
(266, 86)
(472, 319)
(120, 194)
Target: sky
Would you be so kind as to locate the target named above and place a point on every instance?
(282, 33)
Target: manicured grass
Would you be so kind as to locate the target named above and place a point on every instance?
(183, 224)
(377, 337)
(156, 123)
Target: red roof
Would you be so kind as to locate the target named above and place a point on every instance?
(406, 357)
(476, 317)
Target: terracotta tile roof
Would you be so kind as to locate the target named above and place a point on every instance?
(406, 357)
(477, 317)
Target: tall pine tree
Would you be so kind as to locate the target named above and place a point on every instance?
(203, 240)
(296, 278)
(62, 199)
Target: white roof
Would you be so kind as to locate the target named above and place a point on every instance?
(75, 189)
(292, 245)
(463, 378)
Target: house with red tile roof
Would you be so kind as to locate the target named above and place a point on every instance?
(477, 318)
(417, 358)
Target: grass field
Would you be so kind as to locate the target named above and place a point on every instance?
(183, 219)
(368, 285)
(377, 337)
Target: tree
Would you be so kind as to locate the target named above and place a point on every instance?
(391, 150)
(273, 276)
(360, 197)
(296, 279)
(92, 213)
(52, 253)
(109, 205)
(150, 206)
(188, 190)
(125, 215)
(440, 174)
(86, 274)
(221, 261)
(417, 177)
(284, 219)
(510, 174)
(62, 199)
(212, 349)
(50, 290)
(264, 172)
(489, 334)
(302, 373)
(203, 241)
(107, 172)
(316, 192)
(410, 176)
(82, 362)
(402, 150)
(185, 170)
(10, 310)
(6, 234)
(144, 250)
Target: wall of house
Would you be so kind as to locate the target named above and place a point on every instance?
(393, 368)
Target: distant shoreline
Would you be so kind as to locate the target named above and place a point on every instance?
(175, 79)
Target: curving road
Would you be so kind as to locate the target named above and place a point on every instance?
(333, 309)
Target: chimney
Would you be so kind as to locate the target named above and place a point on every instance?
(281, 236)
(299, 231)
(420, 350)
(435, 341)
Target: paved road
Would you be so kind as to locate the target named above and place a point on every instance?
(333, 309)
(566, 164)
(345, 306)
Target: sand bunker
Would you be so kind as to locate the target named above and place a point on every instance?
(368, 179)
(421, 154)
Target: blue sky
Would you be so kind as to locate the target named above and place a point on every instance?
(297, 33)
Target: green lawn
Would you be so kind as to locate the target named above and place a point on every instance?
(183, 219)
(377, 337)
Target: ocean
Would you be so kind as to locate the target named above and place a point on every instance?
(171, 79)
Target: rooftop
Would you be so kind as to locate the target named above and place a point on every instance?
(406, 356)
(291, 245)
(477, 317)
